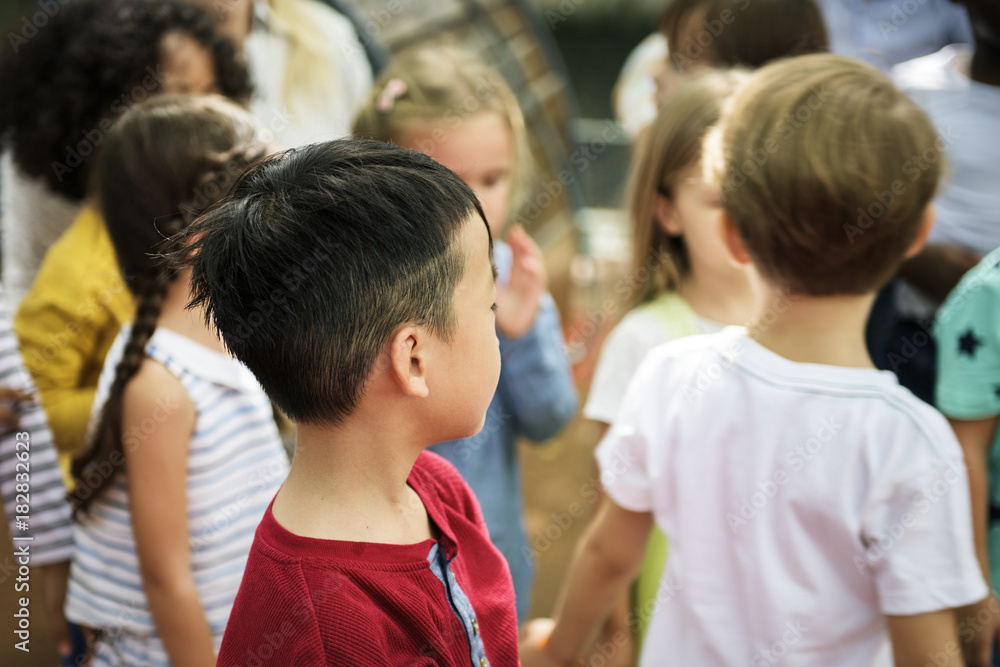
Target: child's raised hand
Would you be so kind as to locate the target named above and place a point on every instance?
(519, 301)
(534, 635)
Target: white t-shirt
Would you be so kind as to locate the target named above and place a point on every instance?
(639, 331)
(310, 120)
(802, 502)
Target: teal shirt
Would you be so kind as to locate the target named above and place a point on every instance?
(967, 331)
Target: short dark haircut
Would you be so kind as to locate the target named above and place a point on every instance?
(318, 255)
(84, 68)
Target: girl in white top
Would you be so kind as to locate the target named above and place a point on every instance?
(681, 281)
(684, 283)
(185, 454)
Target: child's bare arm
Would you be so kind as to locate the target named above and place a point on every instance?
(156, 469)
(925, 639)
(606, 560)
(976, 438)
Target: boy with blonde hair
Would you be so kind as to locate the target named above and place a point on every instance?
(817, 512)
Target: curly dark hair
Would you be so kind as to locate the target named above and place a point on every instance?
(63, 87)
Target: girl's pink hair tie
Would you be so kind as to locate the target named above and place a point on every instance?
(394, 89)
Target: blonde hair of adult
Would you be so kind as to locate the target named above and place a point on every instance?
(309, 52)
(826, 170)
(667, 150)
(442, 86)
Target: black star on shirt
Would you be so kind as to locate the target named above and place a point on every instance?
(996, 390)
(968, 343)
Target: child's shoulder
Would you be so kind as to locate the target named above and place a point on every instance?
(693, 350)
(706, 362)
(667, 317)
(440, 481)
(982, 281)
(153, 386)
(677, 366)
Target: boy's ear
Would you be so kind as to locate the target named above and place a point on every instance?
(666, 218)
(926, 224)
(734, 244)
(408, 361)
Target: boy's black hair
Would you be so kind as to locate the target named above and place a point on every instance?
(318, 255)
(91, 61)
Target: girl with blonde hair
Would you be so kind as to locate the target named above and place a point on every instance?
(446, 103)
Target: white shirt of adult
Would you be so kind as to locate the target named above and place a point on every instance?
(967, 117)
(306, 119)
(802, 503)
(34, 217)
(886, 32)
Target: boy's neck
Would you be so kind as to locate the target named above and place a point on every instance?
(826, 330)
(350, 483)
(985, 66)
(725, 299)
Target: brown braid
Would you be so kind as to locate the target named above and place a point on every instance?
(95, 469)
(166, 161)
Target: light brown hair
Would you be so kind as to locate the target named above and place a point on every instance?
(826, 170)
(670, 147)
(442, 85)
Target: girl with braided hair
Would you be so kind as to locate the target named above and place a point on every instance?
(184, 455)
(62, 92)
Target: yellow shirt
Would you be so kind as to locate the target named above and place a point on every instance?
(67, 322)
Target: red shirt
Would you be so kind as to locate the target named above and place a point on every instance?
(306, 601)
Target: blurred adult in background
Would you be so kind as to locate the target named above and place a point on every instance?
(311, 72)
(884, 33)
(94, 60)
(63, 88)
(959, 88)
(695, 34)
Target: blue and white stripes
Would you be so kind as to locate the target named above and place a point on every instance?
(236, 464)
(49, 525)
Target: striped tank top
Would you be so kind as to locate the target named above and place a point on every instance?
(236, 463)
